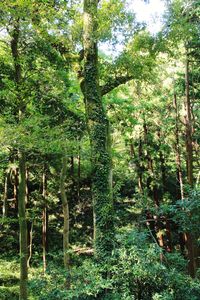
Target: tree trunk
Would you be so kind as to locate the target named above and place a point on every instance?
(137, 161)
(180, 189)
(30, 244)
(44, 219)
(98, 129)
(5, 196)
(15, 189)
(190, 241)
(188, 124)
(29, 223)
(152, 183)
(22, 227)
(65, 206)
(167, 237)
(177, 150)
(79, 174)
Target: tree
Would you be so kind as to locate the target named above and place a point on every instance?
(98, 129)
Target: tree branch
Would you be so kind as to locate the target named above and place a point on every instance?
(113, 83)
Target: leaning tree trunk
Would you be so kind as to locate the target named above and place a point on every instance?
(98, 129)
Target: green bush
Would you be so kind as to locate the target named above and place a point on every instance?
(133, 272)
(8, 293)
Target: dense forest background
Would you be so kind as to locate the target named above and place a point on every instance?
(99, 157)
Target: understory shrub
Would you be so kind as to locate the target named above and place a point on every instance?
(133, 272)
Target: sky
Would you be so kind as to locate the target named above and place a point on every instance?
(150, 12)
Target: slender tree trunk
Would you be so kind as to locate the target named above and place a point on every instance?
(177, 149)
(151, 169)
(154, 188)
(79, 174)
(98, 129)
(22, 227)
(188, 124)
(137, 160)
(180, 189)
(30, 244)
(5, 196)
(167, 239)
(72, 167)
(190, 241)
(15, 188)
(141, 169)
(72, 178)
(44, 219)
(29, 223)
(65, 206)
(27, 192)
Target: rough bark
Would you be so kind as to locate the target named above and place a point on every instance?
(98, 129)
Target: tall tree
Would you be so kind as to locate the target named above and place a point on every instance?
(98, 129)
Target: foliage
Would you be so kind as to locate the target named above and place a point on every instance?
(133, 272)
